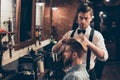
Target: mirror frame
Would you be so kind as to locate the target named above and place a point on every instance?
(18, 44)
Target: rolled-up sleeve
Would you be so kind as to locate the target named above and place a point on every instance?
(99, 42)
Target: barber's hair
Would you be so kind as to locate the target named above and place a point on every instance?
(85, 9)
(75, 46)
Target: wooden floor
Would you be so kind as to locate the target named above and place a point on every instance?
(111, 71)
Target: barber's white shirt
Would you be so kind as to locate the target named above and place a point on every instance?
(97, 40)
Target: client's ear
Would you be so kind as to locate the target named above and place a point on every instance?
(74, 54)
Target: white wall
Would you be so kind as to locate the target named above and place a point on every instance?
(8, 11)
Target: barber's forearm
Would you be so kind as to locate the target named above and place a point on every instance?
(97, 51)
(56, 47)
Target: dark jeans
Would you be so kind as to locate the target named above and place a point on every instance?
(99, 66)
(92, 74)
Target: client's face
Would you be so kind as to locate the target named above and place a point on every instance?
(67, 56)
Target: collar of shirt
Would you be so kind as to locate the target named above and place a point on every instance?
(88, 29)
(77, 67)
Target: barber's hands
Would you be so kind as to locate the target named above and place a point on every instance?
(84, 40)
(64, 40)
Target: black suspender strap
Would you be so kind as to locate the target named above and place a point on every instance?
(89, 51)
(72, 33)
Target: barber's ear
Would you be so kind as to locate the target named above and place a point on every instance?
(92, 17)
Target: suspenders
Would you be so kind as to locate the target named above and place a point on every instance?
(72, 33)
(88, 52)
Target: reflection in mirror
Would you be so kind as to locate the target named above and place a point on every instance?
(39, 20)
(25, 23)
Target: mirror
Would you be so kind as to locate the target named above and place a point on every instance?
(25, 23)
(39, 21)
